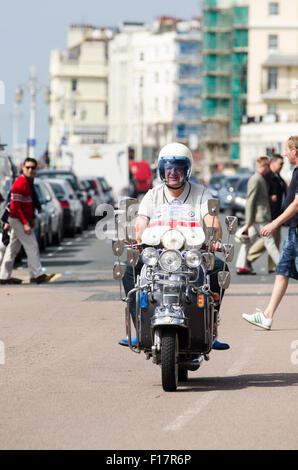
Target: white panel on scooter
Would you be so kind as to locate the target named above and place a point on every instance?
(151, 236)
(194, 237)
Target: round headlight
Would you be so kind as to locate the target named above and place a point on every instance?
(173, 239)
(170, 260)
(193, 258)
(150, 256)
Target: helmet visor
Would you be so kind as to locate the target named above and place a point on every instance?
(174, 171)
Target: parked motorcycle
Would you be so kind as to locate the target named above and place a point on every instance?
(176, 311)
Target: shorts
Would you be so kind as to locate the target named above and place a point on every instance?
(288, 262)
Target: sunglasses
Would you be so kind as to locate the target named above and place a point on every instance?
(295, 143)
(30, 167)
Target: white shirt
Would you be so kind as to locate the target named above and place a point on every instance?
(193, 198)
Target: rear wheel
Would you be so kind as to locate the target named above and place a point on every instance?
(169, 360)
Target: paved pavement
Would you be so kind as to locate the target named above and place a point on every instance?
(67, 384)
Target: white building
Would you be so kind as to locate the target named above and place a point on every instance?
(144, 84)
(272, 96)
(79, 89)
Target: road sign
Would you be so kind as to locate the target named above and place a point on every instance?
(31, 142)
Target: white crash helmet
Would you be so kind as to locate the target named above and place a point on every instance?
(177, 154)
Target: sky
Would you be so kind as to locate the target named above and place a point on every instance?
(30, 29)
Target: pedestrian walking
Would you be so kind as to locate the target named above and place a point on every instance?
(277, 192)
(257, 214)
(287, 266)
(21, 221)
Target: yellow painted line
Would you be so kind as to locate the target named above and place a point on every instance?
(55, 277)
(51, 280)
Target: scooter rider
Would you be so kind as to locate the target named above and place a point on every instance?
(174, 167)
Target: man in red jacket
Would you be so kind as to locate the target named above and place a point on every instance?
(22, 220)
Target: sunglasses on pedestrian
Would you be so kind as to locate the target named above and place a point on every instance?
(33, 168)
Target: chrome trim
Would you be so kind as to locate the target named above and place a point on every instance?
(194, 362)
(169, 315)
(128, 319)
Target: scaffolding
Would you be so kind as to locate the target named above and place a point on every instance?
(225, 48)
(189, 86)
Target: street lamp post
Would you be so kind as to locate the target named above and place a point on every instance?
(33, 86)
(15, 114)
(139, 153)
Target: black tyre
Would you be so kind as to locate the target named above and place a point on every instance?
(50, 236)
(57, 238)
(182, 374)
(169, 360)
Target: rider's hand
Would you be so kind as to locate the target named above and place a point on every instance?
(217, 246)
(133, 242)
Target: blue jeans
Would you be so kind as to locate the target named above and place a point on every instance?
(128, 281)
(288, 262)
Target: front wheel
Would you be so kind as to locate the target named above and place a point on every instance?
(169, 360)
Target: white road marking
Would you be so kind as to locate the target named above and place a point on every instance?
(207, 397)
(190, 413)
(240, 363)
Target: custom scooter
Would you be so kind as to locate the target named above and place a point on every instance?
(176, 311)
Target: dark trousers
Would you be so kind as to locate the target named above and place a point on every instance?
(128, 281)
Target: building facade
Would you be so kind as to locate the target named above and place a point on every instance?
(79, 89)
(225, 51)
(155, 85)
(272, 97)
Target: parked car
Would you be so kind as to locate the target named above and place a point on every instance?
(8, 173)
(41, 195)
(215, 184)
(107, 190)
(225, 193)
(40, 229)
(74, 181)
(239, 197)
(70, 204)
(52, 209)
(96, 196)
(91, 198)
(142, 175)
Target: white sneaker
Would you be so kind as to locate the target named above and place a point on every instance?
(258, 318)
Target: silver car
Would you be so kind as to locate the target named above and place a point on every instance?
(71, 205)
(53, 211)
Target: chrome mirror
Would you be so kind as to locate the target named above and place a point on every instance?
(231, 224)
(117, 247)
(125, 202)
(126, 214)
(228, 251)
(119, 270)
(213, 206)
(208, 261)
(131, 214)
(212, 234)
(224, 279)
(132, 257)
